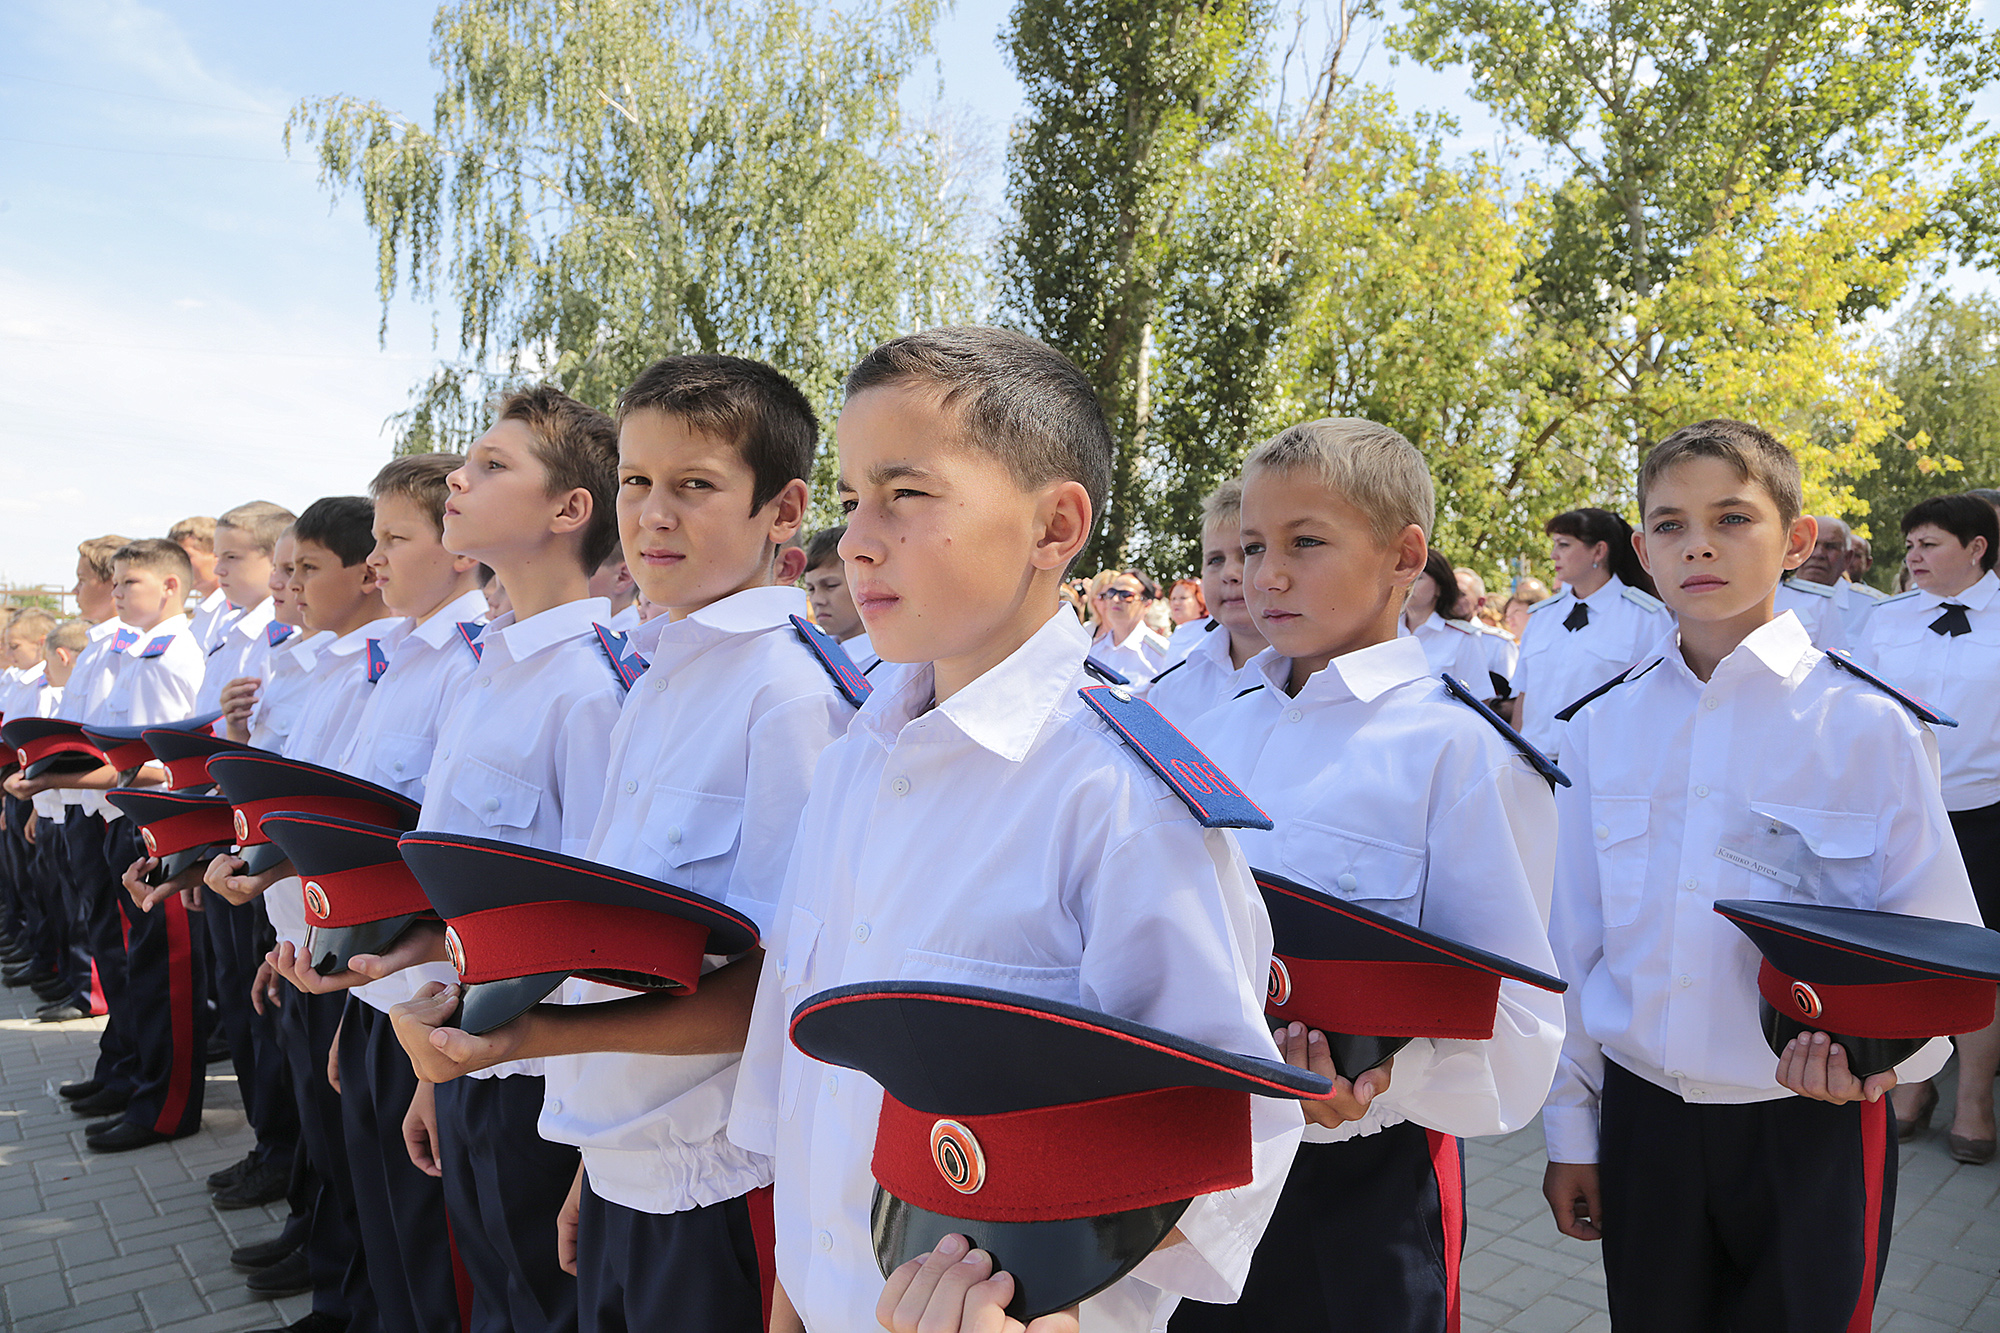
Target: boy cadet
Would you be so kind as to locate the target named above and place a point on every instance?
(207, 603)
(1378, 780)
(1733, 762)
(832, 602)
(1206, 675)
(711, 761)
(64, 642)
(38, 872)
(245, 539)
(972, 463)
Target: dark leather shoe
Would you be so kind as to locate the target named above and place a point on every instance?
(54, 989)
(218, 1049)
(124, 1137)
(83, 1087)
(105, 1101)
(62, 1011)
(229, 1175)
(254, 1258)
(287, 1277)
(21, 975)
(261, 1184)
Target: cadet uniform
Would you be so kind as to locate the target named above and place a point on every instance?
(1483, 663)
(1822, 608)
(1203, 679)
(1380, 783)
(1084, 881)
(862, 653)
(1730, 1202)
(1574, 644)
(209, 618)
(521, 757)
(237, 648)
(1951, 659)
(711, 761)
(1138, 657)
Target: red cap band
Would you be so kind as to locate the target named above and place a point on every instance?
(189, 829)
(522, 940)
(190, 770)
(1933, 1007)
(128, 754)
(250, 815)
(1052, 1163)
(68, 742)
(7, 755)
(369, 893)
(1377, 999)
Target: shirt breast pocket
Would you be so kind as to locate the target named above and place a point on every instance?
(497, 799)
(1384, 876)
(1821, 856)
(795, 968)
(687, 828)
(1042, 983)
(1618, 829)
(401, 758)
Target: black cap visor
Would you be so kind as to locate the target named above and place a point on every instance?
(490, 1004)
(63, 762)
(1054, 1264)
(1865, 1055)
(263, 857)
(330, 947)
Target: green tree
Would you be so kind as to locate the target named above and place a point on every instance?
(602, 184)
(1124, 99)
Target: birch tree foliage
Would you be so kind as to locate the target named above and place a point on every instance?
(603, 182)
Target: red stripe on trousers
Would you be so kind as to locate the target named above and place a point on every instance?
(188, 1063)
(1448, 1162)
(1874, 1161)
(461, 1281)
(764, 1231)
(97, 1004)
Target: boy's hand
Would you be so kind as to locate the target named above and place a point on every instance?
(1572, 1191)
(264, 989)
(1350, 1101)
(413, 946)
(420, 1130)
(22, 787)
(28, 829)
(1814, 1065)
(239, 697)
(951, 1291)
(442, 1053)
(567, 1219)
(333, 1056)
(147, 896)
(224, 876)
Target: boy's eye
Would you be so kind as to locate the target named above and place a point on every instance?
(848, 506)
(1665, 525)
(902, 491)
(1303, 542)
(1253, 548)
(698, 484)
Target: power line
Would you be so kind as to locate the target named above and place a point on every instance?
(123, 92)
(152, 152)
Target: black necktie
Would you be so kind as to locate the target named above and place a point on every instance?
(1579, 616)
(1953, 621)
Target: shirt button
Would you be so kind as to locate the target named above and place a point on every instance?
(1686, 980)
(1675, 1073)
(659, 685)
(832, 1086)
(901, 786)
(399, 766)
(1692, 884)
(486, 681)
(1293, 715)
(826, 1241)
(631, 787)
(1602, 832)
(861, 932)
(1347, 883)
(492, 803)
(555, 1106)
(1710, 703)
(1701, 791)
(673, 833)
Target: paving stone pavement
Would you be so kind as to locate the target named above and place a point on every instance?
(129, 1243)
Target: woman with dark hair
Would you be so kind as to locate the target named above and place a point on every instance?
(1123, 643)
(1434, 615)
(1941, 642)
(1601, 622)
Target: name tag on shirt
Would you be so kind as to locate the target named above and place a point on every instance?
(1752, 864)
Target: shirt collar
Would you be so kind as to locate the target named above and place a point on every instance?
(525, 638)
(1365, 674)
(1612, 587)
(250, 625)
(166, 629)
(443, 625)
(1002, 711)
(1975, 598)
(1779, 645)
(215, 601)
(105, 628)
(356, 639)
(752, 611)
(1130, 641)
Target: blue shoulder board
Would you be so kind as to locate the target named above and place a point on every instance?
(1846, 662)
(1106, 674)
(378, 661)
(276, 632)
(627, 665)
(468, 634)
(1215, 800)
(157, 646)
(1540, 762)
(124, 639)
(847, 678)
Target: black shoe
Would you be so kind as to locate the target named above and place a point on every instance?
(261, 1184)
(16, 955)
(52, 990)
(83, 1087)
(229, 1175)
(124, 1137)
(62, 1011)
(21, 974)
(255, 1258)
(287, 1277)
(105, 1101)
(312, 1323)
(218, 1048)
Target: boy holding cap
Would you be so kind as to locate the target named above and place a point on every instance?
(1735, 761)
(973, 462)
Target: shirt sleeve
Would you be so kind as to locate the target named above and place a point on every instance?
(754, 1110)
(783, 749)
(1576, 937)
(583, 757)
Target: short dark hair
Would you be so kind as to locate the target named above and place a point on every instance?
(823, 547)
(1591, 526)
(418, 478)
(1963, 516)
(1451, 600)
(343, 524)
(752, 405)
(162, 555)
(578, 447)
(1753, 451)
(1015, 399)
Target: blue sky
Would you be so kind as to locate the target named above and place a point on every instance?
(186, 320)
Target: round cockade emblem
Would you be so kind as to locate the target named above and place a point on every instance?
(242, 827)
(959, 1160)
(316, 901)
(146, 836)
(454, 949)
(1279, 988)
(1807, 999)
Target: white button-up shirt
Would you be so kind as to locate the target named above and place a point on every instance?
(1004, 838)
(711, 762)
(522, 752)
(1139, 656)
(1558, 666)
(1461, 650)
(209, 619)
(1783, 779)
(90, 682)
(148, 689)
(237, 649)
(1958, 674)
(1202, 680)
(323, 730)
(1822, 608)
(286, 672)
(1389, 793)
(36, 697)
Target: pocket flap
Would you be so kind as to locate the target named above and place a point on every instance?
(401, 758)
(497, 798)
(1614, 819)
(684, 827)
(1832, 835)
(1350, 865)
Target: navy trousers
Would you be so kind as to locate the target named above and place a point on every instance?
(1763, 1217)
(707, 1268)
(238, 939)
(412, 1269)
(50, 867)
(307, 1025)
(503, 1185)
(1367, 1235)
(166, 995)
(96, 916)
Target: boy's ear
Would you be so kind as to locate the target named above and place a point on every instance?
(1799, 543)
(463, 564)
(1412, 549)
(1062, 525)
(367, 577)
(787, 511)
(572, 513)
